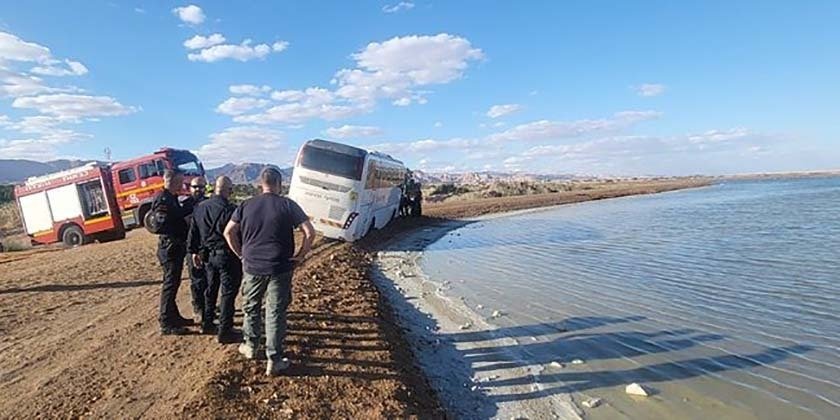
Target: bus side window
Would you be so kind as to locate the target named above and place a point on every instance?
(371, 176)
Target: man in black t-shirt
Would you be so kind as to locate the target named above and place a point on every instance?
(261, 232)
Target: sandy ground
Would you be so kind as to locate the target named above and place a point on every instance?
(79, 335)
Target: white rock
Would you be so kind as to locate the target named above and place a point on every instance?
(556, 364)
(578, 362)
(466, 326)
(636, 389)
(592, 402)
(497, 314)
(479, 307)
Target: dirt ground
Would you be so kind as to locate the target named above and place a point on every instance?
(79, 335)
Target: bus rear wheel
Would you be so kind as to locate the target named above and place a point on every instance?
(73, 236)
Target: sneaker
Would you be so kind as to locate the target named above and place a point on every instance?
(276, 368)
(247, 351)
(175, 330)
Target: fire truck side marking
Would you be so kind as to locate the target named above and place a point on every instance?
(97, 220)
(139, 190)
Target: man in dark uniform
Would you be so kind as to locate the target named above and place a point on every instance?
(209, 249)
(171, 224)
(198, 276)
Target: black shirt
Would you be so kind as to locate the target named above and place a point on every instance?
(267, 224)
(208, 225)
(174, 222)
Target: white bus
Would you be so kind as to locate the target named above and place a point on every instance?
(346, 191)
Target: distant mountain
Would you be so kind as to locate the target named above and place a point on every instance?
(246, 173)
(13, 171)
(463, 178)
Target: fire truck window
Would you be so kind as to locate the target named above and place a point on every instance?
(150, 169)
(127, 176)
(93, 199)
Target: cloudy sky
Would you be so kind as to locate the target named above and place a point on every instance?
(597, 87)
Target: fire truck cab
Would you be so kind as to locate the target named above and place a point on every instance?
(136, 181)
(75, 206)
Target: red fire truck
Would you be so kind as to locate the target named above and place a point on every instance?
(137, 181)
(98, 202)
(73, 206)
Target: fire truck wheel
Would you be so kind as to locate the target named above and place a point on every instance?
(73, 236)
(147, 216)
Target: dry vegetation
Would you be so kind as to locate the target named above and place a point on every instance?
(445, 192)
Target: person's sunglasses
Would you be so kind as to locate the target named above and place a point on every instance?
(198, 186)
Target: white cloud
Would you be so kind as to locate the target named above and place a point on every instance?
(249, 90)
(71, 106)
(244, 144)
(403, 5)
(74, 68)
(198, 42)
(140, 10)
(393, 69)
(190, 14)
(351, 131)
(239, 106)
(497, 111)
(242, 52)
(555, 130)
(13, 48)
(279, 46)
(650, 89)
(15, 85)
(438, 124)
(718, 136)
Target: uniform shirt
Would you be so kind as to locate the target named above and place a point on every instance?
(174, 223)
(267, 224)
(208, 226)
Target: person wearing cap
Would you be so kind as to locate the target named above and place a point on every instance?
(198, 276)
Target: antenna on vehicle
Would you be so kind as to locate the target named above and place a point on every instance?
(107, 152)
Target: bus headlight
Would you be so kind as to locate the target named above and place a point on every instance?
(353, 195)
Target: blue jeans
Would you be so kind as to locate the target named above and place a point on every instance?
(277, 292)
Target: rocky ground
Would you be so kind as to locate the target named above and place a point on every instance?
(79, 335)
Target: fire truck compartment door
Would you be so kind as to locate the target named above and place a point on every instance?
(36, 212)
(64, 202)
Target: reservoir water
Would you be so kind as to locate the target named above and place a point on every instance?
(723, 301)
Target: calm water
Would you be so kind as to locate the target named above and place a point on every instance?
(723, 298)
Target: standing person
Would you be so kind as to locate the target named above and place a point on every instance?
(169, 220)
(198, 276)
(210, 250)
(261, 231)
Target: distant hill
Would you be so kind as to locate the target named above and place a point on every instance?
(246, 173)
(13, 171)
(484, 177)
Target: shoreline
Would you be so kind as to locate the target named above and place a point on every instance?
(423, 311)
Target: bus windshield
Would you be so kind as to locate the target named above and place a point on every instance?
(331, 162)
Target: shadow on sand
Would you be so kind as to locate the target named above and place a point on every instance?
(79, 287)
(453, 361)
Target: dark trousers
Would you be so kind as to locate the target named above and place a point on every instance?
(198, 286)
(224, 272)
(171, 253)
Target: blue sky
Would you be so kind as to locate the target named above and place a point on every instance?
(597, 87)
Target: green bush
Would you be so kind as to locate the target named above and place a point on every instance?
(7, 193)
